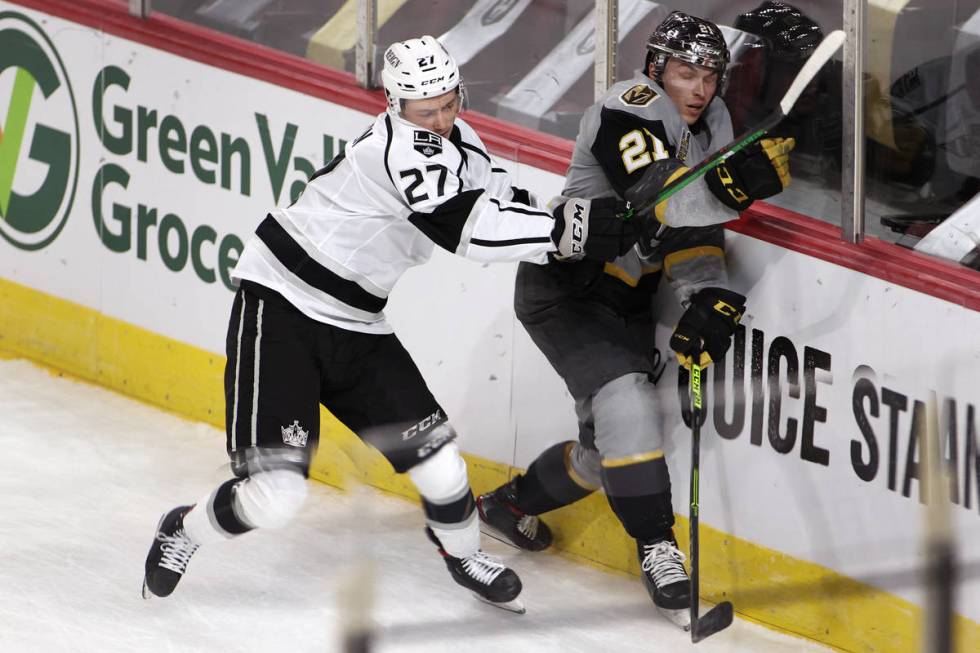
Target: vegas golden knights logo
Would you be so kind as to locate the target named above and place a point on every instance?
(638, 96)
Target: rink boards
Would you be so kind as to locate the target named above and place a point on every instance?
(138, 174)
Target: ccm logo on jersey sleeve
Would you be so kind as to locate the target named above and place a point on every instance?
(432, 420)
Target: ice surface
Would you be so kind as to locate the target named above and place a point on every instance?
(85, 474)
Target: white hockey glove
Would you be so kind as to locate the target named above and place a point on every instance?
(593, 229)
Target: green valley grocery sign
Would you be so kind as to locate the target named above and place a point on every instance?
(38, 135)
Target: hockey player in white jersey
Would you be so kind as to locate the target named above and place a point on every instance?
(593, 320)
(307, 325)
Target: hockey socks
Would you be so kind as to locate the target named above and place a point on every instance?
(551, 481)
(638, 490)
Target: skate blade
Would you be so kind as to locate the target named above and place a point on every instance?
(515, 605)
(680, 618)
(147, 594)
(490, 531)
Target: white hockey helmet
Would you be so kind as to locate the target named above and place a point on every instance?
(416, 69)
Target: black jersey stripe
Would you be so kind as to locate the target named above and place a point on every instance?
(511, 242)
(327, 169)
(391, 136)
(444, 225)
(474, 148)
(520, 195)
(456, 138)
(459, 177)
(292, 255)
(517, 209)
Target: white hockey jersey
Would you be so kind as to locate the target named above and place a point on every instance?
(377, 209)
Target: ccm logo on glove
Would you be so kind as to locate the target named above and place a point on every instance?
(593, 229)
(578, 230)
(707, 326)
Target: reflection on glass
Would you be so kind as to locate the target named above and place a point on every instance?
(924, 134)
(286, 25)
(530, 62)
(776, 39)
(526, 62)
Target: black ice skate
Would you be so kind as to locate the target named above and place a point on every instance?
(503, 520)
(489, 579)
(665, 578)
(169, 554)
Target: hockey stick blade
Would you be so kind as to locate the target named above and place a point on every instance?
(821, 55)
(716, 619)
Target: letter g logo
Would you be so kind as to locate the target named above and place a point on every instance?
(39, 137)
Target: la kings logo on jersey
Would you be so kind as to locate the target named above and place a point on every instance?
(638, 96)
(294, 435)
(428, 143)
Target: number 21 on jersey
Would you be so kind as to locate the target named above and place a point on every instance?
(636, 154)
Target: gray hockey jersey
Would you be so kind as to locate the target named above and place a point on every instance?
(379, 208)
(635, 124)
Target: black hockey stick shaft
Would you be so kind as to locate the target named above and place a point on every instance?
(695, 482)
(821, 55)
(720, 616)
(709, 164)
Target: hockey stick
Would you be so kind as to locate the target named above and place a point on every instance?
(720, 616)
(940, 546)
(821, 55)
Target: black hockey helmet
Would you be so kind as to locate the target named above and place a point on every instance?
(788, 34)
(691, 39)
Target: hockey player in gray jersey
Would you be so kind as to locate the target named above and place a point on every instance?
(593, 320)
(307, 326)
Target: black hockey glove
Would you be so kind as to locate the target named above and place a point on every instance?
(707, 325)
(656, 176)
(593, 229)
(654, 179)
(759, 171)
